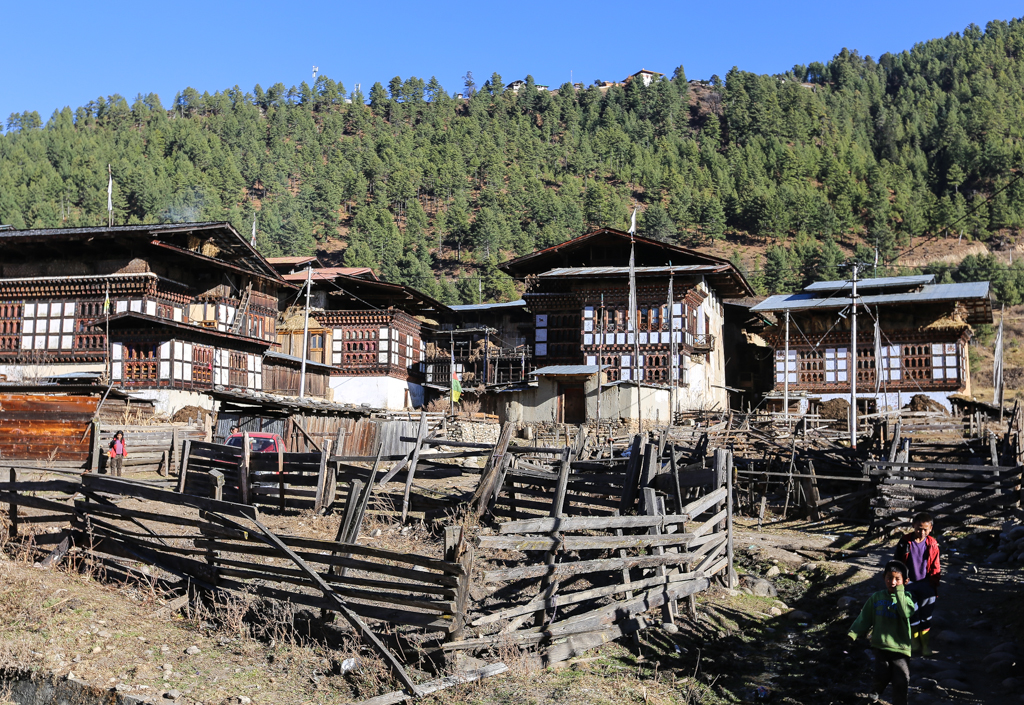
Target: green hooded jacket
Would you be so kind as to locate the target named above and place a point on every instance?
(887, 616)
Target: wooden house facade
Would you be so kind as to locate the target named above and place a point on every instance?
(921, 346)
(371, 334)
(170, 311)
(666, 358)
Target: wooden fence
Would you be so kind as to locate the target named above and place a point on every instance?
(153, 448)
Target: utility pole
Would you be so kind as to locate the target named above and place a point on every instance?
(601, 325)
(785, 375)
(305, 334)
(853, 362)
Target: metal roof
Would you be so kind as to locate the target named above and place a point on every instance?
(879, 283)
(640, 271)
(555, 370)
(156, 227)
(518, 303)
(296, 359)
(977, 291)
(325, 273)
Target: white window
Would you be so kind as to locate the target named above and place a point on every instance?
(588, 338)
(889, 364)
(30, 310)
(28, 327)
(541, 349)
(542, 320)
(151, 308)
(383, 333)
(542, 335)
(136, 305)
(120, 306)
(42, 310)
(835, 365)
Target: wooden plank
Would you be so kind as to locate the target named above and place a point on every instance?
(563, 570)
(127, 488)
(321, 500)
(398, 696)
(580, 543)
(421, 435)
(548, 524)
(573, 598)
(631, 485)
(702, 504)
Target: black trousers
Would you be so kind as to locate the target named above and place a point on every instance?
(894, 668)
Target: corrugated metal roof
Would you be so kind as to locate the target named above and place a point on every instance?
(928, 293)
(291, 260)
(519, 303)
(640, 271)
(296, 359)
(878, 283)
(329, 273)
(156, 227)
(552, 370)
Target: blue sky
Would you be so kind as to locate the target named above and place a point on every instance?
(68, 53)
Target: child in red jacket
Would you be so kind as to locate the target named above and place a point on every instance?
(919, 551)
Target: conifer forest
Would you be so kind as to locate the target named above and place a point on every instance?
(434, 187)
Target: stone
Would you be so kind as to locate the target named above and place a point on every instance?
(981, 624)
(1006, 647)
(997, 557)
(168, 667)
(122, 687)
(764, 588)
(948, 636)
(103, 635)
(1008, 683)
(846, 601)
(96, 649)
(172, 694)
(952, 684)
(775, 612)
(670, 628)
(781, 605)
(1001, 667)
(800, 616)
(732, 593)
(746, 591)
(773, 572)
(192, 650)
(243, 700)
(948, 675)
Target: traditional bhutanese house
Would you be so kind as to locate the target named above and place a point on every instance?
(369, 332)
(578, 294)
(924, 329)
(191, 306)
(488, 343)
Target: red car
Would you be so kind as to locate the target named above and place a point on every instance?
(259, 442)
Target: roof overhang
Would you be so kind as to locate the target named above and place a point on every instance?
(132, 320)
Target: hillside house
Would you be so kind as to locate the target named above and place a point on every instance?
(924, 329)
(588, 350)
(370, 333)
(192, 306)
(644, 75)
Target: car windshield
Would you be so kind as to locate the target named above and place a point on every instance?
(262, 445)
(235, 441)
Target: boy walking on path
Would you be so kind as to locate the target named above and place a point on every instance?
(919, 551)
(887, 616)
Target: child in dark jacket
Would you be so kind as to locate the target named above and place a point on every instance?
(886, 615)
(919, 551)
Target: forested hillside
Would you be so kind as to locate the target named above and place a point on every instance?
(434, 191)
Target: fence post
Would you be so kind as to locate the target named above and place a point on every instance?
(218, 484)
(94, 465)
(420, 435)
(185, 452)
(243, 469)
(323, 481)
(731, 577)
(280, 477)
(13, 511)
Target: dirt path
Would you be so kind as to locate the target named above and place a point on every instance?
(797, 656)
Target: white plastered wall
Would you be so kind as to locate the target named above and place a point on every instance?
(379, 392)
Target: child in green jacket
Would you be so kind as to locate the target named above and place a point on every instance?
(887, 616)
